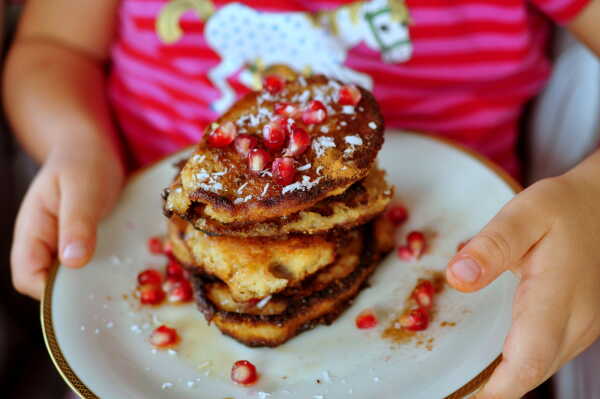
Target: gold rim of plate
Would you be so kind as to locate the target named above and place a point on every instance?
(75, 383)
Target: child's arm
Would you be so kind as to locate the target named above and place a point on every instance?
(549, 236)
(54, 92)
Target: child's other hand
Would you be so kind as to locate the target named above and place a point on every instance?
(549, 236)
(60, 214)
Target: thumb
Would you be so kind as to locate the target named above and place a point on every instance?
(84, 199)
(500, 246)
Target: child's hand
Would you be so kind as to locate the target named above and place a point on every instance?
(549, 235)
(60, 213)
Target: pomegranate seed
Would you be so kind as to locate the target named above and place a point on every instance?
(405, 253)
(258, 159)
(174, 269)
(366, 320)
(397, 214)
(163, 337)
(149, 277)
(223, 135)
(287, 109)
(180, 291)
(315, 113)
(424, 293)
(168, 248)
(416, 242)
(299, 142)
(415, 320)
(151, 295)
(155, 245)
(274, 134)
(273, 84)
(244, 143)
(283, 171)
(244, 373)
(349, 95)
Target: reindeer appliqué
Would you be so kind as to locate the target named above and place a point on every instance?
(251, 40)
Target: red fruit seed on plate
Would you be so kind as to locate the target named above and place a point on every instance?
(397, 214)
(223, 135)
(180, 292)
(275, 134)
(244, 373)
(244, 143)
(273, 84)
(149, 277)
(424, 293)
(151, 294)
(258, 160)
(284, 171)
(349, 95)
(155, 245)
(164, 337)
(299, 142)
(315, 113)
(366, 320)
(415, 320)
(416, 242)
(174, 269)
(405, 253)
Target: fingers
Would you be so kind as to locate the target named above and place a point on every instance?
(34, 245)
(500, 246)
(532, 351)
(83, 202)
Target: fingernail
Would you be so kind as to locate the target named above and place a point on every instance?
(75, 250)
(466, 270)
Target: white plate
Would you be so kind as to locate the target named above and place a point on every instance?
(98, 339)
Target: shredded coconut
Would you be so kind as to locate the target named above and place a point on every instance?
(303, 185)
(304, 167)
(353, 140)
(324, 129)
(343, 123)
(264, 192)
(321, 144)
(348, 109)
(263, 302)
(241, 189)
(242, 200)
(373, 125)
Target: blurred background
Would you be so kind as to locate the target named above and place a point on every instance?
(26, 370)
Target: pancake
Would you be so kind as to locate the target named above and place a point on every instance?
(357, 205)
(253, 268)
(282, 318)
(342, 151)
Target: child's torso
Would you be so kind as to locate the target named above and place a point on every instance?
(458, 68)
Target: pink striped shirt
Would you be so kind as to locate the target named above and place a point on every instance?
(462, 69)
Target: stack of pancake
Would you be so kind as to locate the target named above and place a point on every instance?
(273, 256)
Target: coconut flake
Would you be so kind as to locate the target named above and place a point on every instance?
(265, 189)
(263, 302)
(348, 110)
(304, 185)
(242, 200)
(241, 189)
(320, 144)
(324, 129)
(353, 140)
(373, 125)
(304, 167)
